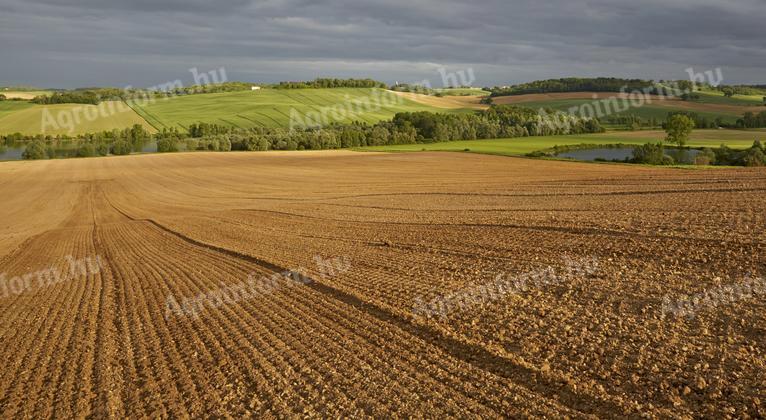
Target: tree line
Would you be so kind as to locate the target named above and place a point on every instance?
(654, 154)
(115, 142)
(500, 121)
(752, 120)
(574, 84)
(331, 83)
(748, 90)
(69, 97)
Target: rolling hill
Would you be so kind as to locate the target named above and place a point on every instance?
(71, 119)
(274, 107)
(709, 105)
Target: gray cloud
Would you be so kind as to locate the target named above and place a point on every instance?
(71, 43)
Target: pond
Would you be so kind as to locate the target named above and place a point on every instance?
(620, 154)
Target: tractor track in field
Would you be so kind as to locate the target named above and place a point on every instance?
(469, 353)
(116, 342)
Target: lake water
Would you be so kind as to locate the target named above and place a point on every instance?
(622, 153)
(15, 152)
(11, 153)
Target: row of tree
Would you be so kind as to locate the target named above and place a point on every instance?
(574, 84)
(752, 120)
(406, 128)
(654, 154)
(69, 97)
(700, 121)
(331, 83)
(115, 142)
(750, 90)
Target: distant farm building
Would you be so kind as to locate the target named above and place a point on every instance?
(255, 88)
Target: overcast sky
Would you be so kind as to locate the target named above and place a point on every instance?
(142, 43)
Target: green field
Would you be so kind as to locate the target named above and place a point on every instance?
(274, 107)
(462, 92)
(523, 145)
(9, 107)
(716, 97)
(645, 112)
(68, 118)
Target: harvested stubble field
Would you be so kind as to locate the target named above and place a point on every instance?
(409, 228)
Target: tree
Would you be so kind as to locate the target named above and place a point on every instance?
(652, 154)
(35, 150)
(753, 157)
(687, 96)
(728, 92)
(121, 147)
(86, 150)
(679, 127)
(167, 145)
(2, 98)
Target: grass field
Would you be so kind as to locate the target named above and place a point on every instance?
(523, 145)
(28, 119)
(342, 284)
(715, 97)
(711, 105)
(271, 107)
(658, 111)
(9, 107)
(462, 91)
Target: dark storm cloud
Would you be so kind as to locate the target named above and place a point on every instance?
(147, 42)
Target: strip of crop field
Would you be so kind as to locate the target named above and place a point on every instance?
(151, 120)
(72, 119)
(273, 107)
(252, 121)
(9, 107)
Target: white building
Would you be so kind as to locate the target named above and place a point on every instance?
(255, 88)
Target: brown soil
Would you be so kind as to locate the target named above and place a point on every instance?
(447, 102)
(19, 95)
(409, 226)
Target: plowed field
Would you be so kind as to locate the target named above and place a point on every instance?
(152, 328)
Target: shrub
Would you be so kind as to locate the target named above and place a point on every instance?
(224, 145)
(86, 150)
(121, 147)
(651, 153)
(256, 143)
(35, 150)
(754, 157)
(102, 149)
(724, 155)
(705, 157)
(167, 145)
